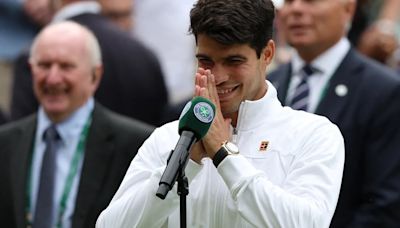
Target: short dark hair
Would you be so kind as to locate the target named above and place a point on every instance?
(234, 21)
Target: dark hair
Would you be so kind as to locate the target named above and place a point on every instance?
(234, 21)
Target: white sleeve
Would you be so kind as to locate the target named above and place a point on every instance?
(308, 196)
(135, 202)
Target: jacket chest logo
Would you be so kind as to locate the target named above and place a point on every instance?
(263, 146)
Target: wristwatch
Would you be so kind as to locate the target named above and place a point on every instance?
(227, 148)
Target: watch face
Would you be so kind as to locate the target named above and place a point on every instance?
(232, 148)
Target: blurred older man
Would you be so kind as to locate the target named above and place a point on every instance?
(327, 76)
(62, 165)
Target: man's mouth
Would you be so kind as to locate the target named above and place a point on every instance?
(226, 93)
(54, 91)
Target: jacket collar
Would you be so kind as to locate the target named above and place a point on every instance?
(253, 113)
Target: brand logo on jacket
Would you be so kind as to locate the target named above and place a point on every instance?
(263, 146)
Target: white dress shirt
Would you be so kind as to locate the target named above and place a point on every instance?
(326, 64)
(295, 182)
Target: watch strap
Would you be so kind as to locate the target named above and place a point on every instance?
(220, 156)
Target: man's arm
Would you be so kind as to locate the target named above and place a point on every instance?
(310, 191)
(135, 204)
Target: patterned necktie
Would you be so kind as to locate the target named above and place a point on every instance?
(300, 96)
(44, 203)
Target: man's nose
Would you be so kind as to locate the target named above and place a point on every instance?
(54, 74)
(220, 73)
(297, 4)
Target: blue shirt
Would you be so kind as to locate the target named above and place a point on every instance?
(70, 132)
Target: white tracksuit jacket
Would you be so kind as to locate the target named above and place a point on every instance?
(295, 182)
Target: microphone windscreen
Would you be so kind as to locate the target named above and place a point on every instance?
(197, 116)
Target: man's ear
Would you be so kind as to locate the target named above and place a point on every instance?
(97, 74)
(268, 52)
(350, 9)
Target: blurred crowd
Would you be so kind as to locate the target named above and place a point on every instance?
(375, 31)
(158, 26)
(162, 27)
(149, 63)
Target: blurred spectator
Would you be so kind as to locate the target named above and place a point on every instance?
(38, 11)
(132, 85)
(19, 23)
(375, 28)
(358, 94)
(163, 26)
(61, 166)
(119, 11)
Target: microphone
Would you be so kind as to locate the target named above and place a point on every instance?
(194, 122)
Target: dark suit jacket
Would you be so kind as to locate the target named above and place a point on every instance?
(132, 83)
(369, 119)
(3, 118)
(112, 143)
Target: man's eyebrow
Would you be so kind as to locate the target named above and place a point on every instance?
(227, 57)
(202, 56)
(236, 57)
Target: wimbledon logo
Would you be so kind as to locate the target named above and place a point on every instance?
(204, 112)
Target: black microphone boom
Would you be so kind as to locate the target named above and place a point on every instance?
(177, 161)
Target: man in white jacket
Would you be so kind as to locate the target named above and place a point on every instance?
(289, 167)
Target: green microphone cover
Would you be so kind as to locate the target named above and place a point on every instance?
(197, 116)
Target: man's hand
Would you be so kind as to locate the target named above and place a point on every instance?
(377, 44)
(220, 128)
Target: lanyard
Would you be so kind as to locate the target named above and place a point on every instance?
(323, 92)
(68, 183)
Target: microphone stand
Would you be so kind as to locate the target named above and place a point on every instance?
(183, 191)
(175, 171)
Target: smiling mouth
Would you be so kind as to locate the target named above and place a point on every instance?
(53, 91)
(225, 93)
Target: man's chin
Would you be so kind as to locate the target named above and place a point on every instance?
(298, 42)
(54, 109)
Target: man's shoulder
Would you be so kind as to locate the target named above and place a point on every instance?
(274, 75)
(11, 132)
(18, 124)
(305, 123)
(370, 68)
(371, 75)
(113, 121)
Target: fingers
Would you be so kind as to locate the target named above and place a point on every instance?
(212, 89)
(220, 128)
(201, 82)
